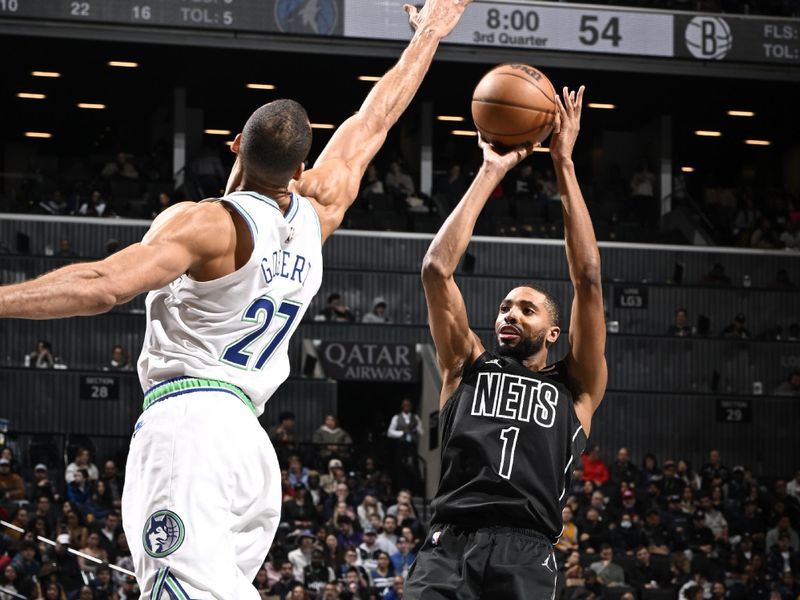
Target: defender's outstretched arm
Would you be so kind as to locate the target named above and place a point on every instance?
(181, 237)
(587, 330)
(337, 173)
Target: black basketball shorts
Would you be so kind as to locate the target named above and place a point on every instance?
(491, 563)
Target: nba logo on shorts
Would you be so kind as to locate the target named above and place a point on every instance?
(163, 533)
(708, 37)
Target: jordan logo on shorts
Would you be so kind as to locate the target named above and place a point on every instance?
(163, 533)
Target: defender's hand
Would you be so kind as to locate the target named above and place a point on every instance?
(567, 125)
(503, 163)
(440, 15)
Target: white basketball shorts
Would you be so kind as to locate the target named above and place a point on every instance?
(202, 494)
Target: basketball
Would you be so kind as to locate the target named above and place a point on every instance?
(514, 105)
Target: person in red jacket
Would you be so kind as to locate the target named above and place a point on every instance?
(594, 469)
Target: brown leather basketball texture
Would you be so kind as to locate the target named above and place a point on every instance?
(514, 105)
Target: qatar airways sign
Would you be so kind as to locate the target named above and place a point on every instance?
(365, 361)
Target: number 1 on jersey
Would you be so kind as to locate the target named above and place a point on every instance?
(509, 436)
(237, 354)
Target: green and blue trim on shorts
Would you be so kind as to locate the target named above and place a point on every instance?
(186, 385)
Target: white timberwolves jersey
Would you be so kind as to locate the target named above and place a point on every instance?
(237, 328)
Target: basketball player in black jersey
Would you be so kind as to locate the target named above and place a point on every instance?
(512, 426)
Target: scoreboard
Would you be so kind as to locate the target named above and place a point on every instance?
(522, 25)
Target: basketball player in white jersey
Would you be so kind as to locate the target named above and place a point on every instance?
(229, 281)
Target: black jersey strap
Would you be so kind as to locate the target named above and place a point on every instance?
(477, 364)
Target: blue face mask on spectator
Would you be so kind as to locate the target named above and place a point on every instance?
(626, 524)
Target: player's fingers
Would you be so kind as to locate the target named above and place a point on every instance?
(412, 14)
(557, 120)
(579, 100)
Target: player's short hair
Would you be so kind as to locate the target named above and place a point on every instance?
(276, 140)
(549, 301)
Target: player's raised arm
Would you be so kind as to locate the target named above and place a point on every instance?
(337, 173)
(456, 345)
(181, 237)
(587, 331)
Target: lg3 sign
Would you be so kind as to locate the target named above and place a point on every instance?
(630, 297)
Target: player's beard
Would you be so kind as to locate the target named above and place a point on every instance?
(526, 347)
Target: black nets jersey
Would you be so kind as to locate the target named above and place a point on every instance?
(510, 439)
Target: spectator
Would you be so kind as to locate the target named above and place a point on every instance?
(714, 470)
(82, 462)
(593, 532)
(717, 276)
(608, 573)
(737, 329)
(120, 167)
(701, 538)
(782, 558)
(378, 312)
(334, 478)
(396, 591)
(283, 587)
(643, 193)
(622, 469)
(108, 532)
(42, 486)
(10, 583)
(451, 186)
(65, 249)
(793, 487)
(24, 562)
(371, 183)
(627, 535)
(715, 520)
(594, 469)
(403, 498)
(657, 537)
(114, 482)
(383, 573)
(336, 311)
(282, 435)
(783, 526)
(405, 430)
(764, 236)
(97, 206)
(369, 506)
(356, 580)
(94, 550)
(331, 439)
(298, 593)
(347, 535)
(403, 558)
(317, 573)
(119, 360)
(790, 238)
(387, 539)
(368, 549)
(681, 327)
(78, 490)
(298, 474)
(569, 536)
(163, 203)
(645, 574)
(300, 557)
(42, 357)
(790, 387)
(12, 487)
(398, 183)
(299, 512)
(99, 503)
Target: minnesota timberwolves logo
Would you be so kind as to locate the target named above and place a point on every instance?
(163, 533)
(317, 17)
(709, 38)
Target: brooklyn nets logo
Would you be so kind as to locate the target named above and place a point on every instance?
(709, 37)
(163, 533)
(317, 17)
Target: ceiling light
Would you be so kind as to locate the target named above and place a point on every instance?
(123, 63)
(260, 86)
(229, 143)
(91, 105)
(45, 74)
(741, 113)
(369, 78)
(217, 131)
(706, 133)
(323, 126)
(449, 118)
(541, 149)
(31, 96)
(38, 134)
(687, 169)
(601, 105)
(757, 142)
(464, 132)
